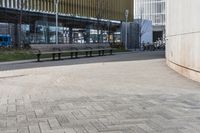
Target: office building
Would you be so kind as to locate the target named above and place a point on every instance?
(79, 20)
(153, 10)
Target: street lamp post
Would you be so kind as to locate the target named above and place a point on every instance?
(140, 28)
(126, 33)
(56, 5)
(21, 5)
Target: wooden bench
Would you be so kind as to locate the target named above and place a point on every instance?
(72, 49)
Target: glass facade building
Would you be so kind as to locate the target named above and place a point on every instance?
(153, 10)
(107, 9)
(80, 21)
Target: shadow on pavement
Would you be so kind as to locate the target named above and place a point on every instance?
(117, 57)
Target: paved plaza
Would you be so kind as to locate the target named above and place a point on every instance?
(123, 93)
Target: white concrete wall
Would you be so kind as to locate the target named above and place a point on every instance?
(183, 34)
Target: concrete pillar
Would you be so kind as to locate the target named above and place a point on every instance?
(101, 36)
(47, 35)
(33, 30)
(109, 36)
(70, 35)
(109, 31)
(113, 34)
(87, 35)
(19, 36)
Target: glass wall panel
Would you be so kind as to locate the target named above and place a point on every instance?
(105, 9)
(151, 10)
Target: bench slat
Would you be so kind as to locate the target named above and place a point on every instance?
(39, 49)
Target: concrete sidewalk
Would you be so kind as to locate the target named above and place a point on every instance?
(126, 93)
(122, 56)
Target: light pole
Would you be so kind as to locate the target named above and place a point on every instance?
(108, 31)
(21, 5)
(56, 6)
(126, 33)
(141, 25)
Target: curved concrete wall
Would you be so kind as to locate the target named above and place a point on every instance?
(183, 34)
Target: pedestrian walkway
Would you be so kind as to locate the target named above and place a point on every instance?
(124, 93)
(13, 65)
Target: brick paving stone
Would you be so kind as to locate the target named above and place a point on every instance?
(11, 122)
(63, 107)
(54, 124)
(90, 128)
(189, 130)
(3, 109)
(99, 98)
(12, 108)
(70, 117)
(20, 108)
(44, 126)
(145, 127)
(34, 128)
(62, 119)
(4, 101)
(78, 115)
(11, 101)
(39, 113)
(10, 131)
(21, 119)
(99, 126)
(23, 130)
(30, 115)
(85, 112)
(92, 120)
(2, 123)
(80, 130)
(113, 132)
(136, 129)
(69, 130)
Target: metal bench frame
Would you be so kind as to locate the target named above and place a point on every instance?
(73, 50)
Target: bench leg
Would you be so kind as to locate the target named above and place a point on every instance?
(111, 52)
(103, 52)
(53, 55)
(76, 54)
(72, 54)
(59, 56)
(90, 53)
(38, 57)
